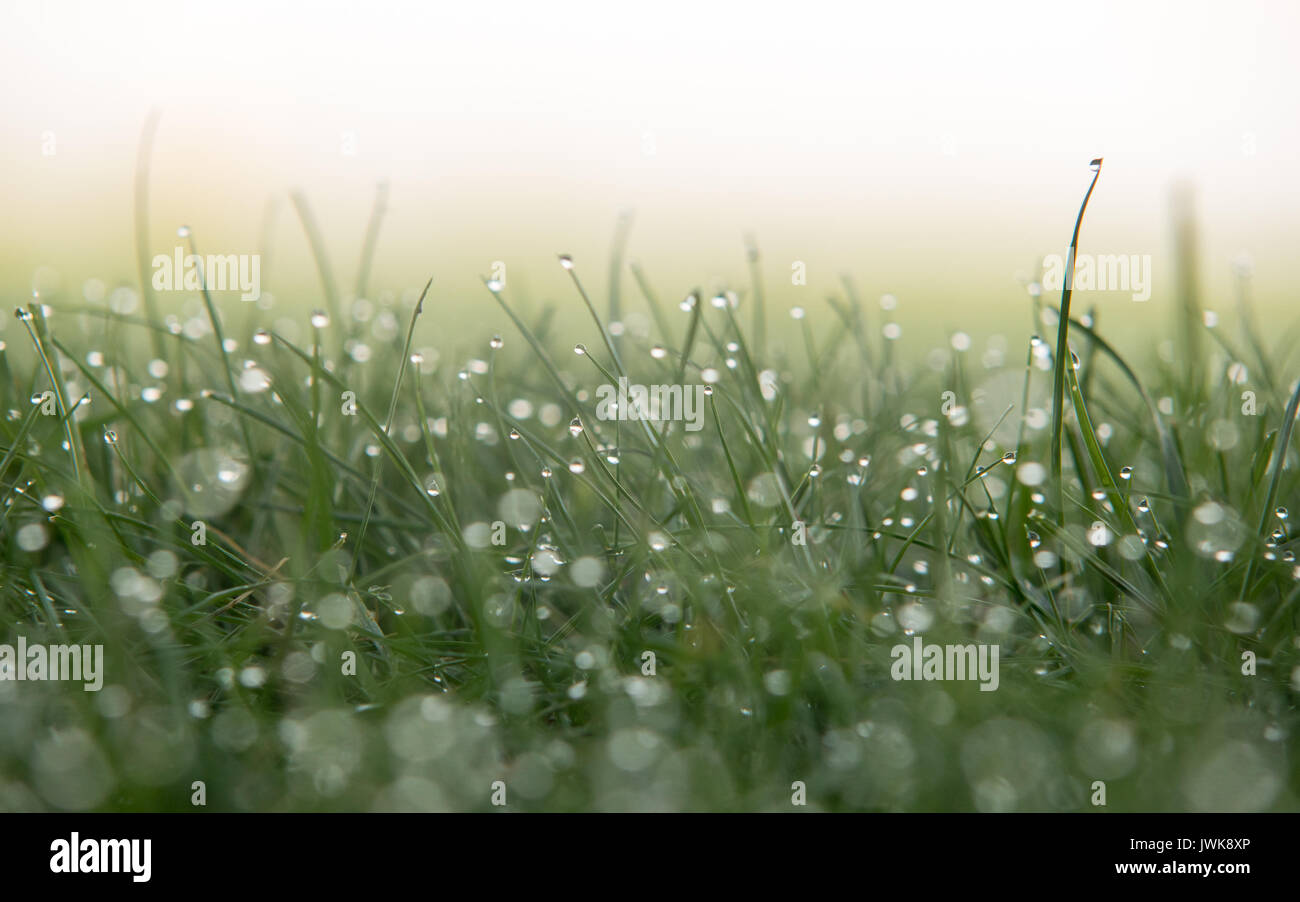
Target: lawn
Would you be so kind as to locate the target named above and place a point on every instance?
(359, 567)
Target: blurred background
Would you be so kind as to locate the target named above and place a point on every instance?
(931, 151)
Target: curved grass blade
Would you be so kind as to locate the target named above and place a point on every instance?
(1062, 351)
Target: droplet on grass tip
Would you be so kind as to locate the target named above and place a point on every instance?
(320, 319)
(566, 261)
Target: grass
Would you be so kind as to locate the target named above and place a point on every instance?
(1116, 530)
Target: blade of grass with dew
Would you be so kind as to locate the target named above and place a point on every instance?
(1281, 448)
(1063, 351)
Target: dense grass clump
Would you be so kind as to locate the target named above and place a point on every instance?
(610, 614)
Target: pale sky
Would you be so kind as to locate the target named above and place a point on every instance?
(923, 147)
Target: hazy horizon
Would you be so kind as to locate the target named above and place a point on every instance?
(918, 162)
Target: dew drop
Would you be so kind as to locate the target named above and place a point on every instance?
(320, 319)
